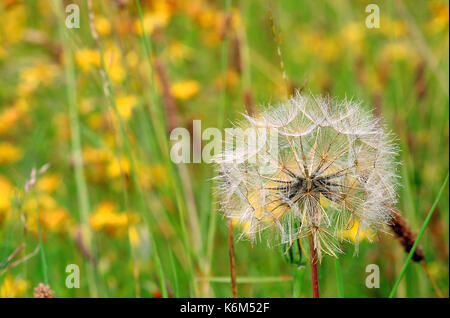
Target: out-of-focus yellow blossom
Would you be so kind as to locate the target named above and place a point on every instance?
(13, 23)
(244, 227)
(155, 19)
(61, 122)
(56, 220)
(211, 38)
(133, 234)
(125, 105)
(211, 21)
(85, 105)
(6, 191)
(48, 183)
(43, 202)
(374, 81)
(102, 25)
(178, 51)
(45, 8)
(9, 153)
(185, 89)
(95, 121)
(95, 155)
(3, 53)
(398, 51)
(353, 36)
(11, 115)
(96, 161)
(40, 73)
(149, 175)
(439, 21)
(116, 167)
(236, 19)
(320, 46)
(392, 28)
(352, 233)
(86, 59)
(13, 287)
(52, 216)
(105, 217)
(231, 79)
(209, 18)
(132, 59)
(113, 58)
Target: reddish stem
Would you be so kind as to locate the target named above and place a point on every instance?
(313, 261)
(232, 259)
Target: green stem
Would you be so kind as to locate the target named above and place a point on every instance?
(339, 279)
(75, 135)
(41, 247)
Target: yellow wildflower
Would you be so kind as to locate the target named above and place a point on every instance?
(353, 235)
(178, 51)
(87, 58)
(48, 183)
(439, 21)
(116, 167)
(52, 216)
(55, 220)
(125, 105)
(9, 153)
(113, 58)
(323, 47)
(157, 18)
(185, 89)
(398, 51)
(13, 23)
(11, 115)
(133, 234)
(102, 25)
(40, 73)
(95, 155)
(5, 197)
(132, 59)
(13, 287)
(95, 121)
(353, 36)
(106, 217)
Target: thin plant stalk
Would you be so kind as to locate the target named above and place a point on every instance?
(221, 117)
(232, 259)
(277, 41)
(220, 124)
(419, 236)
(75, 136)
(41, 248)
(248, 279)
(313, 262)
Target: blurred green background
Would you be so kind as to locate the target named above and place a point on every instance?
(100, 113)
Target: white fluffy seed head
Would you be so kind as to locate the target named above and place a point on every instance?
(333, 165)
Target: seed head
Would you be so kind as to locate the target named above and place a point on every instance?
(333, 167)
(43, 291)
